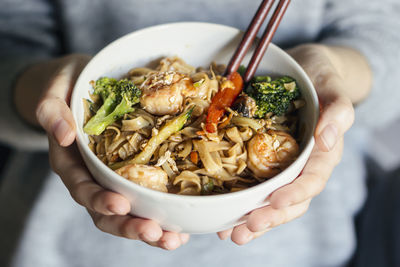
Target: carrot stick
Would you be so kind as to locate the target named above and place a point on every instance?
(222, 100)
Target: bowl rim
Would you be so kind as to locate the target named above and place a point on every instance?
(83, 148)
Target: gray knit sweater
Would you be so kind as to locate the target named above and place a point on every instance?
(49, 229)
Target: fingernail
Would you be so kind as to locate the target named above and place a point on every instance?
(61, 130)
(329, 136)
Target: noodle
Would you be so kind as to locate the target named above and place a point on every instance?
(153, 145)
(134, 124)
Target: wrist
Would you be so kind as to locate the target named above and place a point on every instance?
(29, 87)
(353, 69)
(324, 63)
(33, 82)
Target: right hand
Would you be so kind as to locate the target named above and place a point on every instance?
(109, 210)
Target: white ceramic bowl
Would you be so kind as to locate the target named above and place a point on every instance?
(198, 44)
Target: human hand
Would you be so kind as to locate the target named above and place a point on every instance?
(291, 201)
(109, 210)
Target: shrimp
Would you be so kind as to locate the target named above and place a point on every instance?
(148, 176)
(269, 153)
(162, 92)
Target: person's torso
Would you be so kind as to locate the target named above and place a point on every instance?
(87, 26)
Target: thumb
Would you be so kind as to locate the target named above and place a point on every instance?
(337, 116)
(53, 112)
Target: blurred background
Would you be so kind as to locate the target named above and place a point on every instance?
(377, 223)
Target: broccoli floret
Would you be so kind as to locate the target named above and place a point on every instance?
(273, 96)
(118, 98)
(104, 86)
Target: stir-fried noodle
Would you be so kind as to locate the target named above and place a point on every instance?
(162, 142)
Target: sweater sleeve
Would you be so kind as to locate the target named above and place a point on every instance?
(28, 34)
(372, 28)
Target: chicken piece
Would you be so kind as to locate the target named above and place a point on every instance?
(162, 92)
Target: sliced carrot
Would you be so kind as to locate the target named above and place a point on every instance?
(223, 99)
(194, 157)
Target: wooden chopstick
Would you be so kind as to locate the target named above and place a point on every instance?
(250, 35)
(265, 40)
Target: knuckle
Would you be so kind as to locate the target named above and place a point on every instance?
(45, 110)
(346, 114)
(125, 230)
(310, 50)
(319, 185)
(304, 208)
(348, 108)
(101, 222)
(53, 160)
(326, 82)
(313, 188)
(141, 227)
(58, 162)
(98, 221)
(96, 200)
(303, 191)
(42, 111)
(59, 78)
(76, 191)
(56, 166)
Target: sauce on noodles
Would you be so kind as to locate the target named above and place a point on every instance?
(163, 144)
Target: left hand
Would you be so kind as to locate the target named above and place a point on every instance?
(291, 201)
(109, 210)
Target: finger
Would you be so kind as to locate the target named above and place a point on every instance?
(337, 110)
(66, 162)
(54, 116)
(184, 238)
(336, 118)
(241, 235)
(170, 241)
(53, 112)
(337, 114)
(312, 179)
(265, 218)
(128, 227)
(223, 235)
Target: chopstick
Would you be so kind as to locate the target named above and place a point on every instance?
(265, 39)
(250, 35)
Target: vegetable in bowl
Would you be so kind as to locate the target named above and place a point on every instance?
(117, 97)
(273, 96)
(213, 211)
(178, 122)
